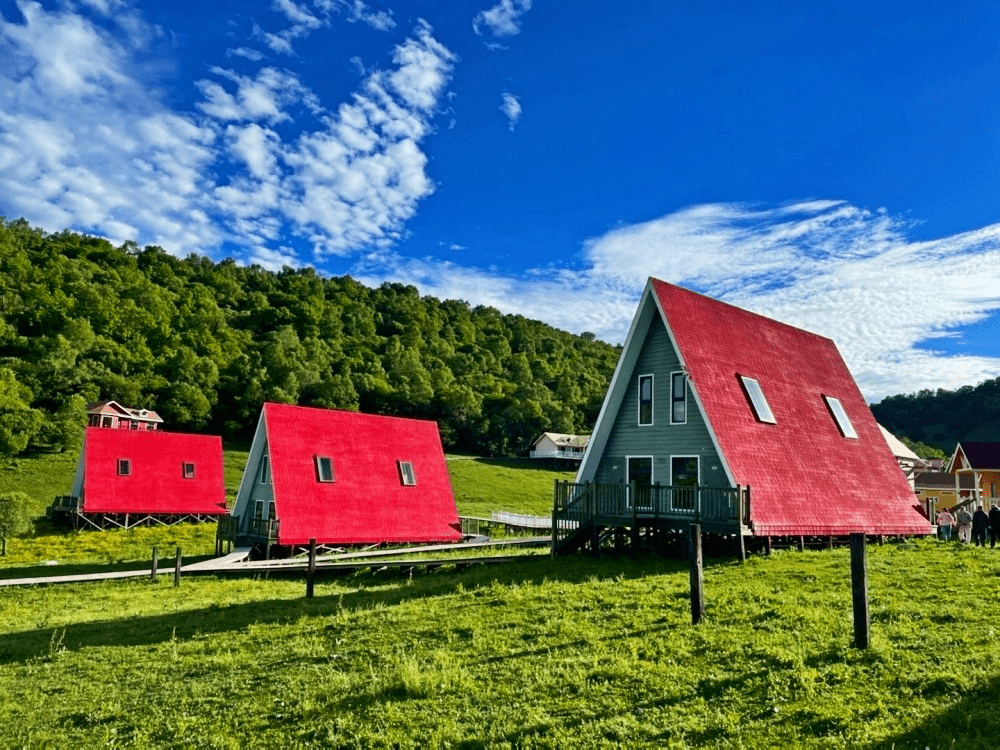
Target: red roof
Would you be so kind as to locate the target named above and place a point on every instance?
(155, 483)
(805, 477)
(367, 503)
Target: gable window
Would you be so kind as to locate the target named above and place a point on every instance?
(840, 416)
(264, 470)
(324, 468)
(678, 398)
(188, 469)
(124, 467)
(761, 409)
(645, 399)
(406, 475)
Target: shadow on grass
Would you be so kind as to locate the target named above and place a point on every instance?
(371, 592)
(971, 722)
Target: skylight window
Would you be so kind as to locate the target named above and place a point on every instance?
(761, 409)
(324, 469)
(188, 469)
(840, 416)
(124, 467)
(406, 474)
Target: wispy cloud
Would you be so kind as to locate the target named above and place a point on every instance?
(511, 107)
(503, 19)
(85, 144)
(355, 10)
(827, 266)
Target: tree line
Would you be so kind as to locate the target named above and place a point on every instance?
(206, 343)
(941, 418)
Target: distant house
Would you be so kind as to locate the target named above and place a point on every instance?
(113, 415)
(981, 462)
(936, 490)
(344, 478)
(752, 426)
(909, 462)
(131, 477)
(558, 445)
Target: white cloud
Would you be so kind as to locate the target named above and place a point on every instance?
(356, 10)
(511, 107)
(503, 19)
(826, 266)
(85, 145)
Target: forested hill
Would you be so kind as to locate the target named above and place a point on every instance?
(205, 344)
(941, 418)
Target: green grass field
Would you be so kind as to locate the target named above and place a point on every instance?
(544, 653)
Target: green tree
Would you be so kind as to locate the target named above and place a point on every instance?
(15, 517)
(18, 421)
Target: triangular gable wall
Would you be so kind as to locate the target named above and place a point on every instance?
(251, 489)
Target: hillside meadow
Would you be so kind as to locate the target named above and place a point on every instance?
(541, 653)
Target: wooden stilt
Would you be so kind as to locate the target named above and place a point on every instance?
(177, 568)
(153, 565)
(859, 590)
(311, 573)
(697, 595)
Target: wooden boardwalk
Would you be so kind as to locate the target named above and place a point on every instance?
(236, 563)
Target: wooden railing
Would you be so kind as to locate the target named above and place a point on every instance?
(576, 505)
(65, 502)
(263, 530)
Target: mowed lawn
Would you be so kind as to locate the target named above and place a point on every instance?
(571, 652)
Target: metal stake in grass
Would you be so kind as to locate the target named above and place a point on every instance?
(153, 565)
(177, 568)
(859, 589)
(697, 598)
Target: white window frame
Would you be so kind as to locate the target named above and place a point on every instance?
(840, 417)
(321, 475)
(673, 397)
(758, 401)
(184, 469)
(652, 400)
(265, 474)
(407, 476)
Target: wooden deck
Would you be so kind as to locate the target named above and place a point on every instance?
(581, 512)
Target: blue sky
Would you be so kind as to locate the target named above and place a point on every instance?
(834, 167)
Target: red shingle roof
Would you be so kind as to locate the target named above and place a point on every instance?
(156, 482)
(367, 503)
(805, 477)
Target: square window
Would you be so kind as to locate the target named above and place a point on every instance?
(324, 468)
(188, 470)
(761, 409)
(124, 467)
(645, 400)
(406, 475)
(840, 417)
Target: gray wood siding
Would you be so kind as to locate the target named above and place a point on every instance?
(662, 439)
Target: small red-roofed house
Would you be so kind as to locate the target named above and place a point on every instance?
(130, 477)
(751, 426)
(344, 478)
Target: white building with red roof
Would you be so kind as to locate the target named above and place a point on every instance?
(344, 478)
(740, 421)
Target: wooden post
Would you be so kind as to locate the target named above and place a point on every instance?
(595, 539)
(859, 590)
(767, 545)
(829, 542)
(635, 519)
(802, 544)
(177, 568)
(697, 597)
(743, 548)
(555, 517)
(311, 573)
(153, 565)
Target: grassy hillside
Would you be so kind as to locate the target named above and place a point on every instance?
(547, 653)
(483, 485)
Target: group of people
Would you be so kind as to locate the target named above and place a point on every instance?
(971, 526)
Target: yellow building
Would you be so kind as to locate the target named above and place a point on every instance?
(980, 463)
